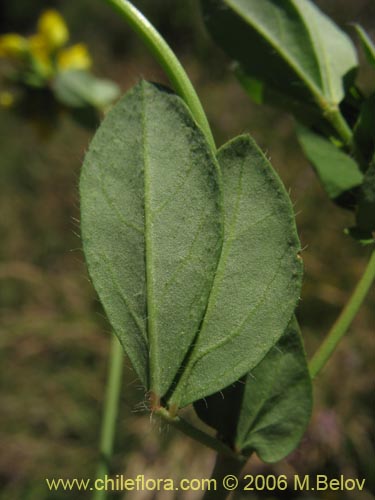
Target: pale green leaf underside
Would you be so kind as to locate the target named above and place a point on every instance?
(337, 171)
(151, 228)
(367, 44)
(258, 279)
(290, 45)
(277, 401)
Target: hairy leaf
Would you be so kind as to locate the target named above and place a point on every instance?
(151, 228)
(258, 279)
(269, 409)
(367, 44)
(290, 46)
(337, 171)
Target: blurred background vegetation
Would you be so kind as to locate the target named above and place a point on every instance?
(54, 336)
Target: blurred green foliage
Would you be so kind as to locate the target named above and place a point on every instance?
(54, 337)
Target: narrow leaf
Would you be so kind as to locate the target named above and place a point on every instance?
(269, 409)
(367, 44)
(258, 279)
(337, 171)
(290, 46)
(151, 228)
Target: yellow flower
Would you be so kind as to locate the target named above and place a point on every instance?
(52, 27)
(75, 57)
(6, 99)
(40, 52)
(12, 45)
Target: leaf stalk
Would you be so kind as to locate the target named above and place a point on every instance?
(341, 126)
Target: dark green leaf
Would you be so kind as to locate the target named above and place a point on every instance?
(271, 406)
(151, 228)
(258, 279)
(290, 46)
(78, 89)
(306, 112)
(337, 171)
(367, 44)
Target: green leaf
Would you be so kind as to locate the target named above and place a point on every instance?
(306, 112)
(337, 171)
(367, 44)
(290, 46)
(269, 409)
(151, 228)
(78, 89)
(258, 279)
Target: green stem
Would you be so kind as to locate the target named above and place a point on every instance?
(193, 432)
(168, 60)
(115, 369)
(224, 466)
(343, 322)
(339, 123)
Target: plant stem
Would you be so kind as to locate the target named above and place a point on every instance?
(224, 466)
(339, 123)
(113, 388)
(343, 322)
(168, 60)
(191, 431)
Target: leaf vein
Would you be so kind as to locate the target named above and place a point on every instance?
(138, 321)
(235, 333)
(98, 174)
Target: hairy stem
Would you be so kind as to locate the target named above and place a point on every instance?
(107, 434)
(224, 476)
(343, 322)
(168, 61)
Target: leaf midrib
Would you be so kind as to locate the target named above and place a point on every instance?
(237, 331)
(315, 90)
(225, 372)
(149, 280)
(213, 291)
(127, 302)
(323, 65)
